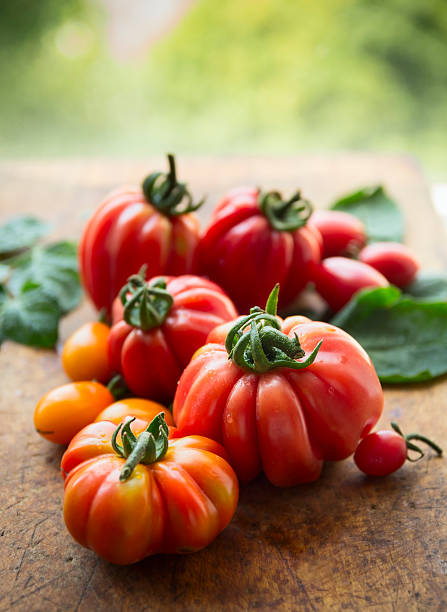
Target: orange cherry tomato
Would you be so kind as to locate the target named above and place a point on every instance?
(150, 495)
(142, 409)
(84, 356)
(65, 410)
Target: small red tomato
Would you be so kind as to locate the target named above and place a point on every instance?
(342, 233)
(383, 452)
(84, 356)
(398, 264)
(337, 279)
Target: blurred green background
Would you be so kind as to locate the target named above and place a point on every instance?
(125, 78)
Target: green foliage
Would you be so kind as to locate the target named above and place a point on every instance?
(429, 286)
(37, 286)
(270, 75)
(405, 338)
(380, 214)
(19, 233)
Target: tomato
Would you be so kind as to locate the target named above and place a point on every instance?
(150, 495)
(398, 264)
(165, 321)
(143, 409)
(65, 410)
(383, 452)
(84, 356)
(341, 232)
(255, 240)
(279, 404)
(337, 279)
(153, 225)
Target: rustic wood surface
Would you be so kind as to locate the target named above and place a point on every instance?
(345, 542)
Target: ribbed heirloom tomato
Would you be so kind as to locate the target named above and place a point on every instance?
(152, 225)
(148, 495)
(163, 322)
(255, 240)
(278, 403)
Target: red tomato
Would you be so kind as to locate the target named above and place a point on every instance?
(255, 240)
(84, 356)
(151, 351)
(280, 405)
(398, 264)
(337, 279)
(150, 495)
(341, 232)
(383, 452)
(133, 227)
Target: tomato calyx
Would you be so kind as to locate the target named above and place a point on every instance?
(167, 194)
(118, 388)
(285, 215)
(414, 447)
(146, 305)
(256, 342)
(150, 446)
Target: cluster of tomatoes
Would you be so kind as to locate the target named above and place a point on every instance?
(250, 393)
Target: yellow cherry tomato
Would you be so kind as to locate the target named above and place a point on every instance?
(84, 355)
(65, 410)
(143, 409)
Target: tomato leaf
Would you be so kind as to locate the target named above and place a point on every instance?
(31, 318)
(429, 286)
(379, 213)
(53, 268)
(405, 338)
(21, 232)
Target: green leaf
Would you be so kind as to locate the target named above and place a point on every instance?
(429, 286)
(21, 232)
(31, 318)
(379, 213)
(405, 338)
(53, 268)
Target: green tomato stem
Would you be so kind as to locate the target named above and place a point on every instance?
(256, 342)
(413, 447)
(285, 215)
(167, 194)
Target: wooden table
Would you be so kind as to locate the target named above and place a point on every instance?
(345, 542)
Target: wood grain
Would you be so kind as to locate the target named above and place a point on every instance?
(345, 542)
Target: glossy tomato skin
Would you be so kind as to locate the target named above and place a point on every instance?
(139, 408)
(124, 233)
(337, 279)
(178, 504)
(285, 422)
(341, 232)
(242, 252)
(395, 261)
(381, 453)
(84, 356)
(65, 410)
(152, 361)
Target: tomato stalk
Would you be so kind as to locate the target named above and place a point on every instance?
(150, 446)
(146, 305)
(167, 194)
(264, 346)
(414, 447)
(285, 215)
